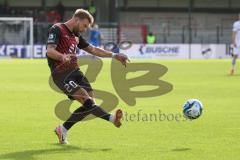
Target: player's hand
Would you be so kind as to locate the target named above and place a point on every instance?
(122, 58)
(66, 58)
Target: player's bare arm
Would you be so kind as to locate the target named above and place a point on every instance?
(54, 54)
(104, 53)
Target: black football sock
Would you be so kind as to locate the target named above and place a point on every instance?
(99, 112)
(78, 115)
(88, 108)
(96, 110)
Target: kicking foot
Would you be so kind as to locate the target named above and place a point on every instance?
(118, 116)
(61, 132)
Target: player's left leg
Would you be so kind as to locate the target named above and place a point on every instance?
(79, 114)
(97, 110)
(101, 113)
(90, 107)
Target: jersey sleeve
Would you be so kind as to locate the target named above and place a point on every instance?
(53, 35)
(82, 43)
(235, 27)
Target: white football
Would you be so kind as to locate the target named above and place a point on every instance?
(192, 109)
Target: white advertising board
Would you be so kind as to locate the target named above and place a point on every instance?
(141, 51)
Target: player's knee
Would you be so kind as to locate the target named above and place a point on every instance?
(90, 93)
(89, 103)
(81, 95)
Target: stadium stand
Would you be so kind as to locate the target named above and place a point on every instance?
(210, 20)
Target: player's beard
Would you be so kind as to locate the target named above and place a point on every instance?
(76, 31)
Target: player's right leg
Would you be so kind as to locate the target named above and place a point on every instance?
(80, 113)
(234, 60)
(236, 52)
(61, 132)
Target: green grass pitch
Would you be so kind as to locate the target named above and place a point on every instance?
(27, 116)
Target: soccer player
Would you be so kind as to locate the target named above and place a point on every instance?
(63, 39)
(236, 43)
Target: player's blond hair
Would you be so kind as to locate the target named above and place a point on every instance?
(82, 14)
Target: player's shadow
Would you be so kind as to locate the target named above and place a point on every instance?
(180, 149)
(62, 149)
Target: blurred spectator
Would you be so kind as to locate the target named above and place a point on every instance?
(53, 16)
(92, 9)
(60, 9)
(95, 36)
(151, 38)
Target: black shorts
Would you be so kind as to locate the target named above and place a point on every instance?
(72, 81)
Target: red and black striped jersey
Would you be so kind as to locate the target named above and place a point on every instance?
(66, 43)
